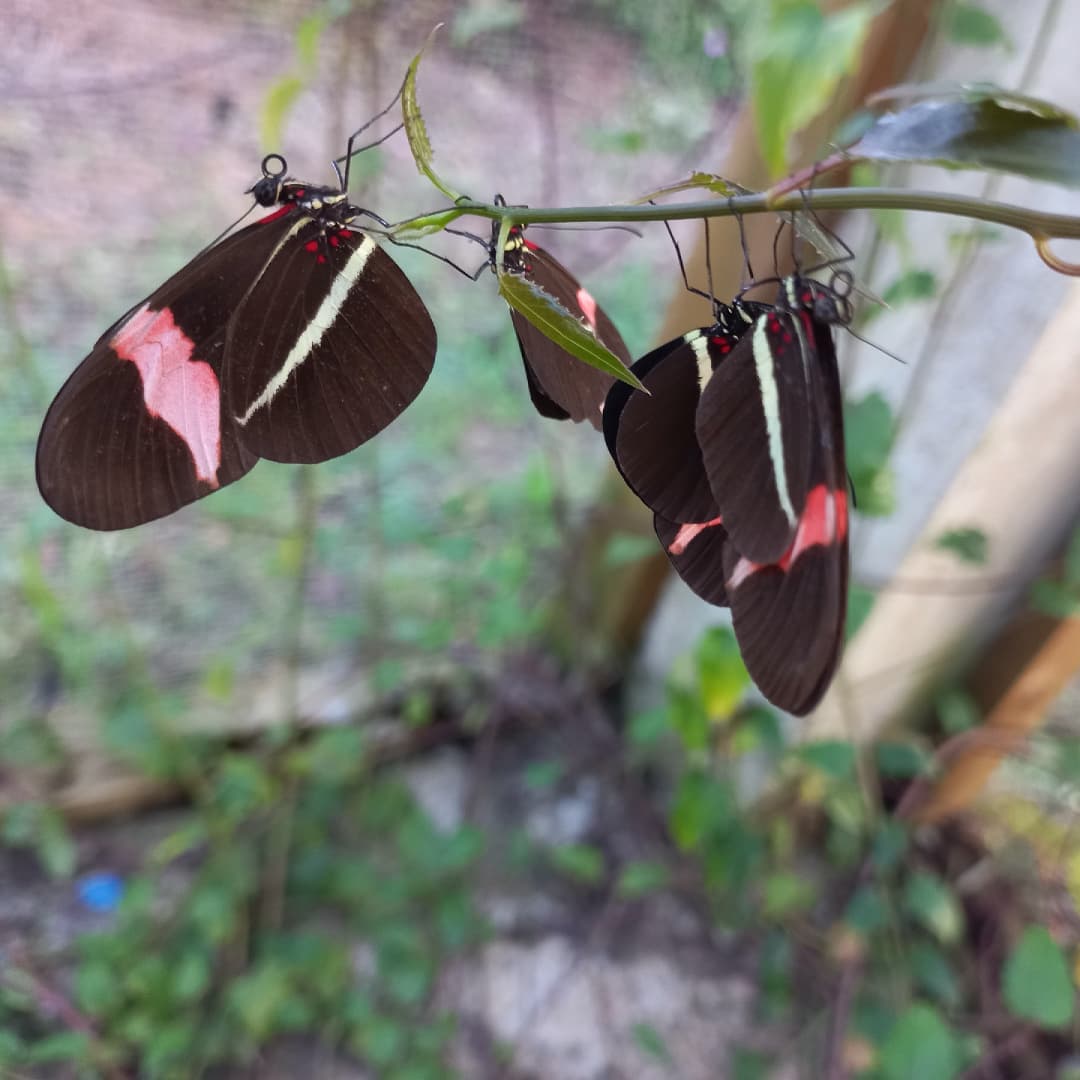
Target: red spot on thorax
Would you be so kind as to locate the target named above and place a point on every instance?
(334, 241)
(321, 258)
(312, 245)
(690, 532)
(588, 306)
(181, 390)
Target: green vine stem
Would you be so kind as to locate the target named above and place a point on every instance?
(1041, 227)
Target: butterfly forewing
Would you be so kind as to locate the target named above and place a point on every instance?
(789, 614)
(330, 345)
(140, 427)
(754, 428)
(562, 386)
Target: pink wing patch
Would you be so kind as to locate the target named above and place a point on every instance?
(690, 532)
(588, 307)
(184, 392)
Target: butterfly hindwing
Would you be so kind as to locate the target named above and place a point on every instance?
(561, 386)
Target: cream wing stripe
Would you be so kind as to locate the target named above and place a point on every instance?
(770, 400)
(699, 342)
(313, 333)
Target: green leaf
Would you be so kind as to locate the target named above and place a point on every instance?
(703, 804)
(1054, 599)
(71, 1046)
(542, 775)
(900, 760)
(834, 757)
(718, 185)
(912, 285)
(798, 55)
(1072, 559)
(722, 676)
(556, 322)
(920, 1044)
(417, 228)
(986, 129)
(869, 431)
(278, 103)
(308, 35)
(641, 878)
(968, 545)
(480, 17)
(930, 902)
(625, 548)
(932, 972)
(867, 911)
(860, 603)
(957, 711)
(787, 893)
(416, 129)
(651, 1041)
(1036, 981)
(971, 24)
(580, 861)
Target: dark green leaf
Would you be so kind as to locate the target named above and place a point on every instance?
(641, 878)
(1072, 559)
(867, 911)
(889, 846)
(912, 285)
(931, 972)
(971, 24)
(834, 757)
(929, 901)
(1054, 599)
(71, 1046)
(651, 1041)
(1036, 982)
(860, 604)
(900, 760)
(580, 861)
(921, 1045)
(957, 711)
(968, 545)
(556, 322)
(982, 132)
(869, 430)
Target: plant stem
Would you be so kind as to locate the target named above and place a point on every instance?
(1037, 224)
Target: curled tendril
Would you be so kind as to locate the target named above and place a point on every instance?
(1042, 246)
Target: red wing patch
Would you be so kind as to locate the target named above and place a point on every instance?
(182, 391)
(823, 522)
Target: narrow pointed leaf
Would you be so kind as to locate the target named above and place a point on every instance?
(416, 129)
(554, 321)
(419, 227)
